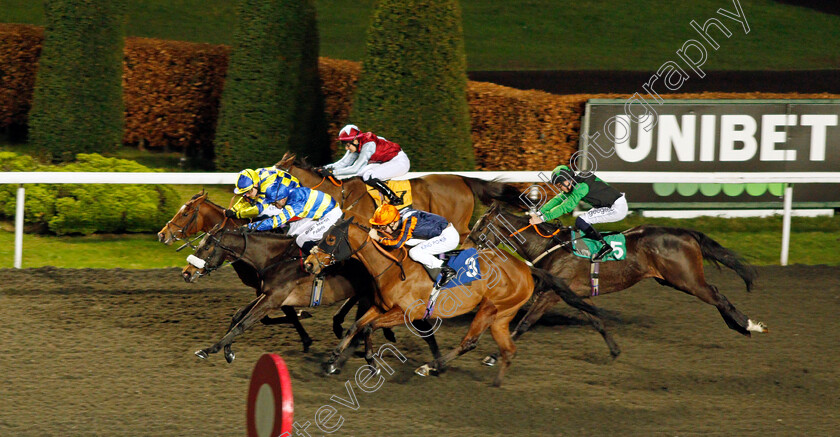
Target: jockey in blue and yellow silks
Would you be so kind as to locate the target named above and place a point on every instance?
(253, 186)
(309, 213)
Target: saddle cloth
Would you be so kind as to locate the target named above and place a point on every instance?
(585, 247)
(400, 188)
(465, 262)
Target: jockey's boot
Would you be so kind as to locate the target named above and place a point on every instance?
(433, 273)
(392, 197)
(605, 249)
(446, 275)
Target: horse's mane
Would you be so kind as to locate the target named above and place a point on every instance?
(206, 200)
(303, 164)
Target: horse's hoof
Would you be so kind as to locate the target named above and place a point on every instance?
(338, 331)
(489, 361)
(756, 326)
(332, 369)
(230, 356)
(426, 370)
(303, 315)
(423, 370)
(201, 354)
(306, 344)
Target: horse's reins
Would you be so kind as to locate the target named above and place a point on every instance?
(241, 256)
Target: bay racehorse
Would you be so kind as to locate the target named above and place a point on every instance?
(672, 256)
(507, 284)
(450, 196)
(278, 264)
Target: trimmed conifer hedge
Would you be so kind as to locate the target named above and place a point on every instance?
(77, 105)
(413, 84)
(272, 99)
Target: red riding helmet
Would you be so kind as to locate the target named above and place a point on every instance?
(349, 133)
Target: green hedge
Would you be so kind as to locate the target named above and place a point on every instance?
(413, 84)
(272, 99)
(77, 105)
(87, 208)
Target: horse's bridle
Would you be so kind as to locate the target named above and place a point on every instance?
(218, 244)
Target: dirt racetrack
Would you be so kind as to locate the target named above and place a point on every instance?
(110, 352)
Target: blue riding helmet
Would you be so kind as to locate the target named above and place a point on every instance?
(247, 180)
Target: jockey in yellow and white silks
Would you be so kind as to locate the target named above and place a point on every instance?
(253, 186)
(309, 213)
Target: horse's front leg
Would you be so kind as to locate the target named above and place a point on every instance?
(339, 316)
(237, 316)
(258, 309)
(544, 302)
(333, 364)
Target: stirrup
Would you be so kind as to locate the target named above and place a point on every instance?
(601, 253)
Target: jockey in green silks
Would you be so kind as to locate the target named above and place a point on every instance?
(608, 204)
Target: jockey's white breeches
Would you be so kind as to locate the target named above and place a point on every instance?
(307, 229)
(425, 251)
(396, 167)
(609, 214)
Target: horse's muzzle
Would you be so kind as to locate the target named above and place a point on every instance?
(309, 267)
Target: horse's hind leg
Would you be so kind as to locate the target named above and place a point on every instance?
(501, 333)
(688, 281)
(292, 316)
(485, 316)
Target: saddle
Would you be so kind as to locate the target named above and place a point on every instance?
(400, 188)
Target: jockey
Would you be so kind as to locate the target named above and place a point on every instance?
(373, 158)
(253, 186)
(608, 204)
(309, 213)
(430, 234)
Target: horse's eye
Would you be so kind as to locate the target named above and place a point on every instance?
(331, 240)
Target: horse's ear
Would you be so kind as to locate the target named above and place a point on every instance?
(202, 195)
(286, 161)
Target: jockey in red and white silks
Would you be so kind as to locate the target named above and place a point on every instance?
(371, 157)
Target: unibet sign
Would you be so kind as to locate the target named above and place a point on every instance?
(716, 136)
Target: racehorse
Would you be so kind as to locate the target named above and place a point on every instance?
(672, 256)
(401, 290)
(199, 215)
(277, 261)
(450, 196)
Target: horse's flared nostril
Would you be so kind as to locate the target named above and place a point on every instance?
(309, 267)
(160, 237)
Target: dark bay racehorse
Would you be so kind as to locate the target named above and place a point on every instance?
(199, 215)
(401, 286)
(276, 259)
(450, 196)
(672, 256)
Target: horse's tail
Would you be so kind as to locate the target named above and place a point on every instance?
(488, 191)
(717, 254)
(546, 281)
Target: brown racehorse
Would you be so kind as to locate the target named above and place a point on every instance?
(401, 289)
(200, 214)
(278, 265)
(450, 196)
(672, 256)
